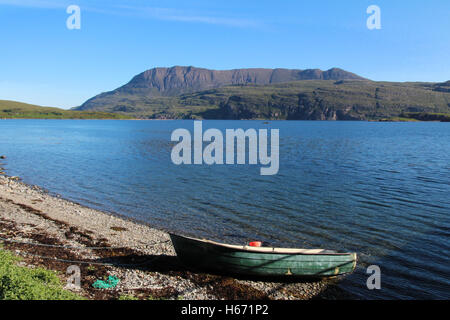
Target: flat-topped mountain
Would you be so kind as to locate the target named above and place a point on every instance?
(335, 94)
(174, 81)
(177, 80)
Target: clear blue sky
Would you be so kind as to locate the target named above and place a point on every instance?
(42, 62)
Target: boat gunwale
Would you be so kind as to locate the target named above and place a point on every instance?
(269, 250)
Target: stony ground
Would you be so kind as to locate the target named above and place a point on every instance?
(141, 257)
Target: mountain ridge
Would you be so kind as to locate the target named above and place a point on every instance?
(277, 94)
(177, 80)
(161, 78)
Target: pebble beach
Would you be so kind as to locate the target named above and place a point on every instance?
(49, 231)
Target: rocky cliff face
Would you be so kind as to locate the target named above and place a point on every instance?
(177, 80)
(300, 107)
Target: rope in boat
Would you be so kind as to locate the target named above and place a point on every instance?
(80, 248)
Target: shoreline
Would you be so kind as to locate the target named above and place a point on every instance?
(394, 119)
(142, 257)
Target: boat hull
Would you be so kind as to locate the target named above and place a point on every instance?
(207, 256)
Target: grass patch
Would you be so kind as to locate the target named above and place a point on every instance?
(427, 116)
(22, 283)
(399, 119)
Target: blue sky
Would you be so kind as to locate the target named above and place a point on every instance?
(43, 62)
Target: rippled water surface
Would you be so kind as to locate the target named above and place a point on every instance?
(380, 189)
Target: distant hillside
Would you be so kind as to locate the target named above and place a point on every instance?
(170, 82)
(298, 100)
(19, 110)
(443, 87)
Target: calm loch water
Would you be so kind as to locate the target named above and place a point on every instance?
(380, 189)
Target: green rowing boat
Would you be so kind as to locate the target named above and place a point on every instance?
(261, 261)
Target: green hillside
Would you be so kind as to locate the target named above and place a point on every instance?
(19, 110)
(299, 100)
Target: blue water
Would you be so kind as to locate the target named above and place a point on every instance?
(380, 189)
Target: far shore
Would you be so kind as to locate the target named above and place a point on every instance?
(140, 256)
(272, 120)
